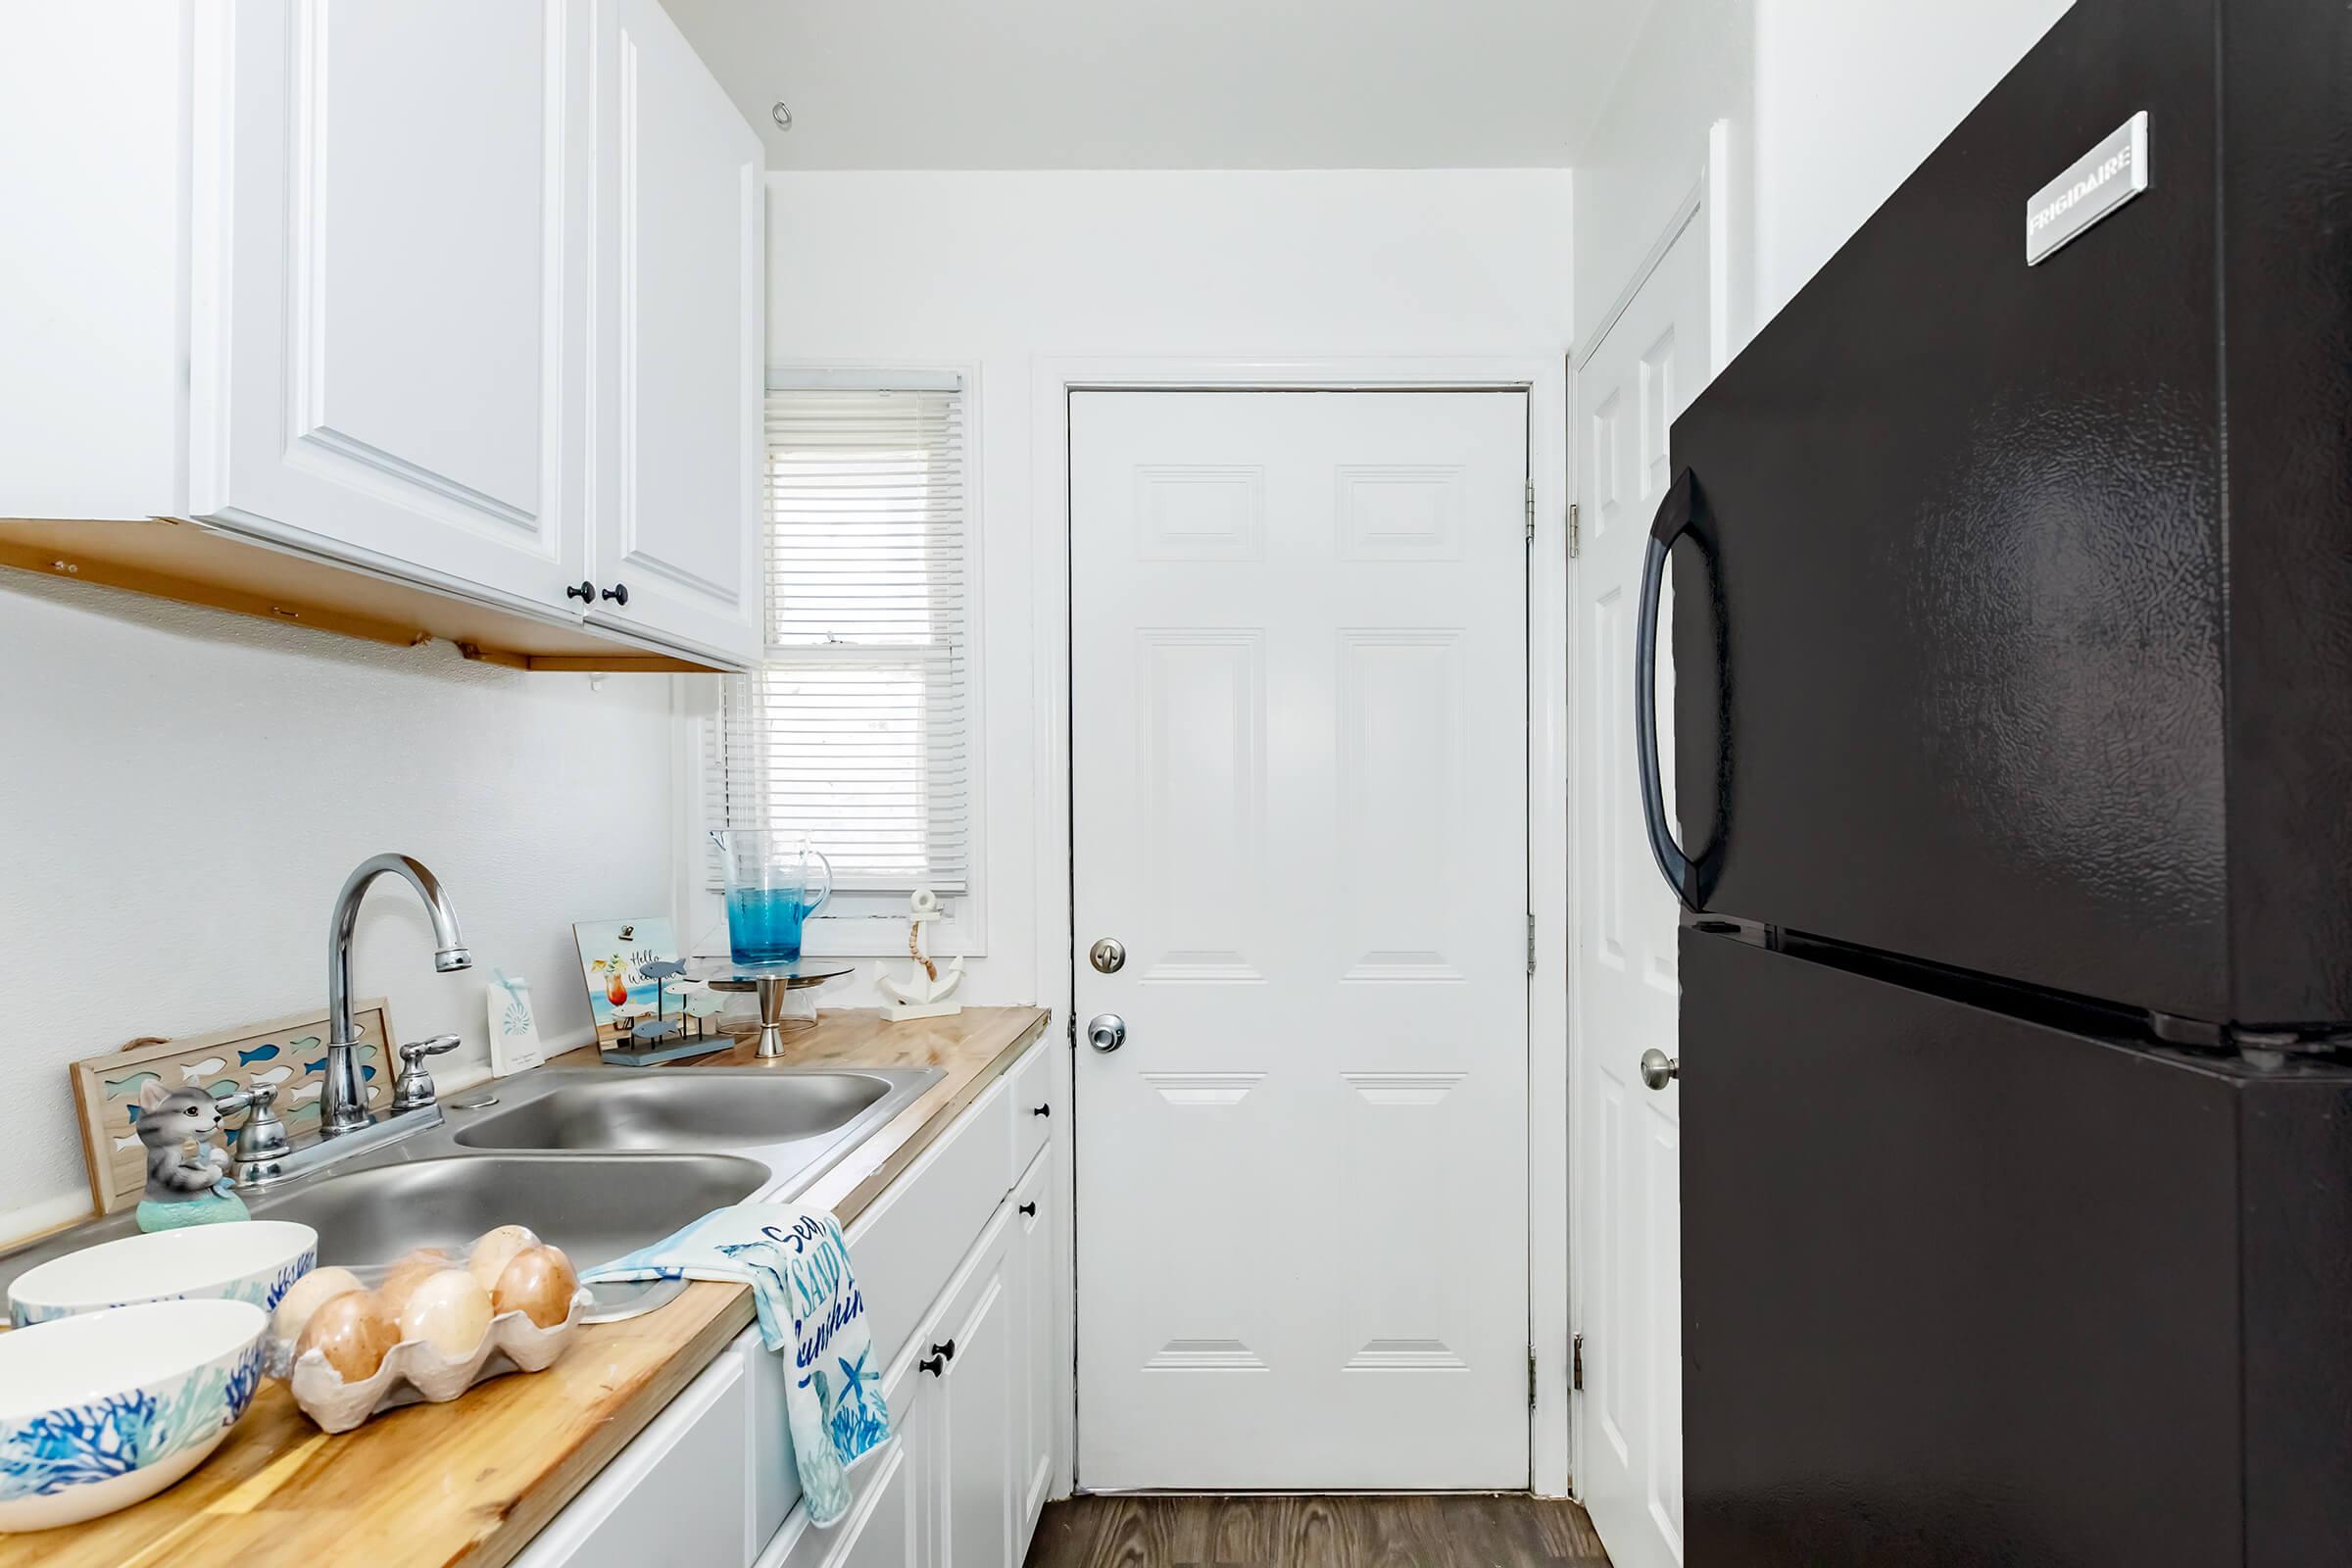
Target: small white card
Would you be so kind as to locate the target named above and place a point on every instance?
(513, 1030)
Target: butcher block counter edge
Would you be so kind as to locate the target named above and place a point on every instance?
(474, 1479)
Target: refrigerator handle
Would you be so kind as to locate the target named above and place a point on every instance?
(1672, 521)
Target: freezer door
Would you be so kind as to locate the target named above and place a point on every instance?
(1949, 631)
(1962, 1288)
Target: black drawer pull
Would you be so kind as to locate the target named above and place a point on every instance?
(937, 1366)
(1029, 1208)
(619, 592)
(1041, 1111)
(947, 1350)
(586, 590)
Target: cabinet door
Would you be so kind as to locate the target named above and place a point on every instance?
(676, 1493)
(682, 436)
(1036, 1376)
(388, 318)
(968, 1403)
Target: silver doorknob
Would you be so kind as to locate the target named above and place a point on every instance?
(1108, 956)
(1107, 1031)
(1658, 1069)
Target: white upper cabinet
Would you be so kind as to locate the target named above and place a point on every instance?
(680, 433)
(403, 246)
(409, 304)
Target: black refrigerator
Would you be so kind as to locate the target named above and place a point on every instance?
(2012, 570)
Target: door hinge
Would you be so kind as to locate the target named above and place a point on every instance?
(1575, 541)
(1576, 1362)
(1530, 508)
(1531, 943)
(1531, 1377)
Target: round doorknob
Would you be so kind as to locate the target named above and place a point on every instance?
(1658, 1069)
(1107, 1031)
(1108, 956)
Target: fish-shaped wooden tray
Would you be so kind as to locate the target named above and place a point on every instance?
(289, 1052)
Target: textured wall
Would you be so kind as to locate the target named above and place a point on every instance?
(184, 791)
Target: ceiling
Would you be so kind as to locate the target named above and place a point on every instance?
(1167, 83)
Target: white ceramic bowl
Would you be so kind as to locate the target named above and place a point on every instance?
(103, 1409)
(251, 1260)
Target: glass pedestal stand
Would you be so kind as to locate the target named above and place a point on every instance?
(780, 1011)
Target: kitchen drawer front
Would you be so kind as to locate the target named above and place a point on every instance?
(678, 1493)
(1033, 1108)
(911, 1241)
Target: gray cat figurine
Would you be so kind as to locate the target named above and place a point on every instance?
(183, 1189)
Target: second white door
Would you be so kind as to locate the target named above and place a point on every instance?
(1625, 988)
(1298, 739)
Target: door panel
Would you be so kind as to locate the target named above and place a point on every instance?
(405, 291)
(679, 529)
(1298, 702)
(1625, 1270)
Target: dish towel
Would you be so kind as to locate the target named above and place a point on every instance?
(797, 1267)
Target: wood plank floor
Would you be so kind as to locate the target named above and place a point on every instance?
(1452, 1531)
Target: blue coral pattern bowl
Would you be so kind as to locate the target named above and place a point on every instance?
(105, 1409)
(254, 1260)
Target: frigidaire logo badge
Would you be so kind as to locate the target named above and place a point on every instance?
(2101, 181)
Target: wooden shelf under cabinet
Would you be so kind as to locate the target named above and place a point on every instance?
(166, 558)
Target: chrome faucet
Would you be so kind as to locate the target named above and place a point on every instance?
(343, 1106)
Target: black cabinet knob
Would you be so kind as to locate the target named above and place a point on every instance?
(1029, 1208)
(1041, 1111)
(619, 592)
(586, 590)
(937, 1366)
(947, 1350)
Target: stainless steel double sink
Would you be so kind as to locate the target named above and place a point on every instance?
(599, 1160)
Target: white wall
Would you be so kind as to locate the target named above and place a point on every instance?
(1831, 104)
(1850, 96)
(184, 791)
(1003, 270)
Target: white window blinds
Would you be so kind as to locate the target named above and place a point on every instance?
(855, 729)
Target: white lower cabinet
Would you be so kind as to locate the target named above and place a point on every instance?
(971, 1378)
(677, 1494)
(1037, 1378)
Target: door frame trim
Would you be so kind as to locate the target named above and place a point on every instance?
(1544, 378)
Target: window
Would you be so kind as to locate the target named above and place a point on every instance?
(857, 728)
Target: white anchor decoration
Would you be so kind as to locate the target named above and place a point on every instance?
(926, 994)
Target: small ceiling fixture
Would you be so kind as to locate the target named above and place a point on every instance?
(781, 115)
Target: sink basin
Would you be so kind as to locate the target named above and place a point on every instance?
(709, 1110)
(594, 1209)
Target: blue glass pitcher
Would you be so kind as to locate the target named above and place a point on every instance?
(777, 879)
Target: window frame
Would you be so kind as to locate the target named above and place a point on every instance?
(868, 924)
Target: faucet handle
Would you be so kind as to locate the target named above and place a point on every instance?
(262, 1141)
(415, 1089)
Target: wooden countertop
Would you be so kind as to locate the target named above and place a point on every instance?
(474, 1480)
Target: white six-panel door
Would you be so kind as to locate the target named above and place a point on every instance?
(402, 205)
(1298, 741)
(1626, 1257)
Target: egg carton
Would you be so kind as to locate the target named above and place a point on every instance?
(414, 1372)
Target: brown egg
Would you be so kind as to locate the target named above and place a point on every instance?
(495, 1250)
(538, 1283)
(409, 1273)
(353, 1331)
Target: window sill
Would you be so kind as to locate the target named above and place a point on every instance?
(852, 936)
